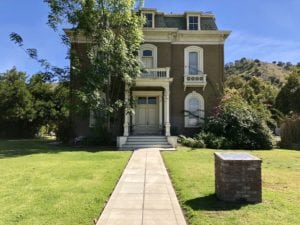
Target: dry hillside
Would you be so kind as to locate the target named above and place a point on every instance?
(275, 72)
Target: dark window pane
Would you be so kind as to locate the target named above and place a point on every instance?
(152, 100)
(193, 63)
(149, 19)
(193, 23)
(193, 26)
(193, 19)
(147, 53)
(142, 100)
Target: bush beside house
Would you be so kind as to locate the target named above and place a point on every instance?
(290, 133)
(234, 125)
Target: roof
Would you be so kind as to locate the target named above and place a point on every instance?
(162, 20)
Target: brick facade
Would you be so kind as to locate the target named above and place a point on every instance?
(238, 177)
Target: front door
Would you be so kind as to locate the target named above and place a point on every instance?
(146, 115)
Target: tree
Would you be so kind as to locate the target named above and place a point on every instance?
(26, 107)
(288, 99)
(50, 102)
(15, 105)
(115, 32)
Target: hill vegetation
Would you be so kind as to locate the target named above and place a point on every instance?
(276, 72)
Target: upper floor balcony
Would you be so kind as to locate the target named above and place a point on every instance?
(197, 80)
(155, 73)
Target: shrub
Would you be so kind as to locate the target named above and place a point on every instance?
(64, 131)
(241, 126)
(290, 133)
(211, 140)
(191, 142)
(100, 135)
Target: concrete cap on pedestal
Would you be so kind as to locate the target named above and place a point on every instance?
(236, 156)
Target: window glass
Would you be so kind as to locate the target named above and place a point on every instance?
(193, 63)
(194, 112)
(149, 19)
(152, 100)
(147, 53)
(142, 100)
(193, 22)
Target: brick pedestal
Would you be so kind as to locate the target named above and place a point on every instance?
(238, 177)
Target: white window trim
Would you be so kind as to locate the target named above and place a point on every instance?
(151, 47)
(193, 94)
(153, 18)
(188, 22)
(200, 51)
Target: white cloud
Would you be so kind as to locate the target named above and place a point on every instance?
(242, 44)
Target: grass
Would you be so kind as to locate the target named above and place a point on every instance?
(44, 184)
(192, 173)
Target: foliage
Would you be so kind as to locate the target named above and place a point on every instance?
(258, 93)
(51, 73)
(247, 68)
(211, 140)
(16, 105)
(27, 107)
(191, 142)
(241, 125)
(100, 135)
(290, 133)
(288, 99)
(114, 31)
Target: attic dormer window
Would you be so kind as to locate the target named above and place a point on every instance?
(149, 20)
(193, 22)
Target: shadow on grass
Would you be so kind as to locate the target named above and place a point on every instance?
(16, 148)
(212, 203)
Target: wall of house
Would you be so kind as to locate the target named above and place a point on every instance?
(168, 56)
(173, 56)
(81, 118)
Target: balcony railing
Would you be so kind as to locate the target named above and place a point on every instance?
(198, 80)
(156, 73)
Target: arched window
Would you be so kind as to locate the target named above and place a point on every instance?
(194, 110)
(193, 60)
(148, 56)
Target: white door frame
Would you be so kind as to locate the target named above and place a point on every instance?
(158, 94)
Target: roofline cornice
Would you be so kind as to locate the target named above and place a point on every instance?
(171, 35)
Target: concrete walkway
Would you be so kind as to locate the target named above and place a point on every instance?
(144, 194)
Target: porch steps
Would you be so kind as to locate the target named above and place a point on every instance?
(135, 142)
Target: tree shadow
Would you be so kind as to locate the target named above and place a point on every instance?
(16, 148)
(212, 203)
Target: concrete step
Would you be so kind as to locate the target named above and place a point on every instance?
(146, 146)
(150, 145)
(147, 142)
(147, 138)
(135, 142)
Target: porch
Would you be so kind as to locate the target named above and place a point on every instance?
(151, 115)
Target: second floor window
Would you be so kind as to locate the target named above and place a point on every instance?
(193, 22)
(193, 60)
(193, 63)
(149, 20)
(147, 59)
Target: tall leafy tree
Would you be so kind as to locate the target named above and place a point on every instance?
(288, 99)
(15, 105)
(114, 33)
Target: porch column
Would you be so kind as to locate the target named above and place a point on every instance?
(126, 115)
(167, 110)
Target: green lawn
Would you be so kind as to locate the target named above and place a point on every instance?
(43, 184)
(192, 173)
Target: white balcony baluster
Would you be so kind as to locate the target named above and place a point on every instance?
(156, 73)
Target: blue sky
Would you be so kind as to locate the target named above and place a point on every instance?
(261, 29)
